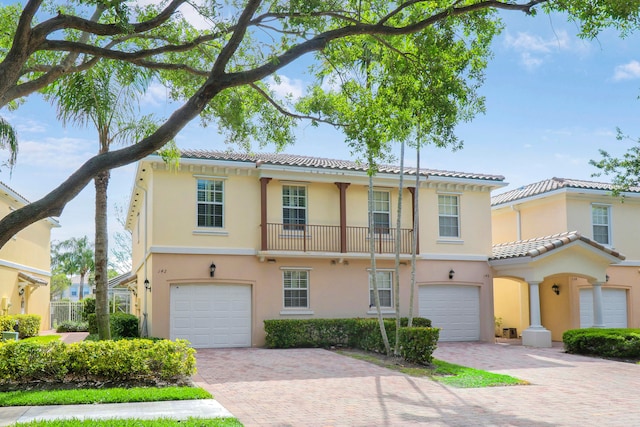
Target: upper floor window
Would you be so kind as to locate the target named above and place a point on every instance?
(294, 207)
(296, 288)
(601, 220)
(381, 212)
(384, 281)
(449, 215)
(210, 203)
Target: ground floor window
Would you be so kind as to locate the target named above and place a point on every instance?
(296, 288)
(384, 280)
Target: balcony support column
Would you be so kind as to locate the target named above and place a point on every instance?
(342, 186)
(412, 190)
(263, 212)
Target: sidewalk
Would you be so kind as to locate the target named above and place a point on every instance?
(175, 409)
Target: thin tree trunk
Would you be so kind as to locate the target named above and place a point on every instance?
(101, 250)
(416, 222)
(396, 284)
(81, 290)
(374, 279)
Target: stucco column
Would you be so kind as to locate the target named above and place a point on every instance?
(342, 186)
(263, 213)
(598, 317)
(535, 335)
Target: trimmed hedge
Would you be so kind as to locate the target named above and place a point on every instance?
(122, 325)
(418, 344)
(355, 333)
(619, 343)
(28, 325)
(140, 361)
(70, 326)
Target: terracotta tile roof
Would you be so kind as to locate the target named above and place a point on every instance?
(552, 184)
(540, 245)
(325, 163)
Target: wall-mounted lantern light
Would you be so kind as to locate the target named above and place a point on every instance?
(147, 285)
(451, 273)
(556, 289)
(212, 269)
(606, 278)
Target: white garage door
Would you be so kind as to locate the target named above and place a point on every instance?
(614, 302)
(211, 315)
(453, 309)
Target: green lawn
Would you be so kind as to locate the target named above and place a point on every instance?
(105, 395)
(42, 339)
(160, 422)
(444, 372)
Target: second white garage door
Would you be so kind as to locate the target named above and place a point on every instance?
(211, 316)
(454, 309)
(614, 307)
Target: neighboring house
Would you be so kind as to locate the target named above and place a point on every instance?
(227, 241)
(566, 256)
(25, 269)
(72, 293)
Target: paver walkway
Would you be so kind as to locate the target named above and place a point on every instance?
(313, 387)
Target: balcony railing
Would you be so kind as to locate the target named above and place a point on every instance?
(328, 238)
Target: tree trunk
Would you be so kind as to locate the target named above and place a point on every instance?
(396, 284)
(374, 279)
(101, 250)
(414, 249)
(81, 290)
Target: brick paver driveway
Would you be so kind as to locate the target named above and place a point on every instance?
(313, 387)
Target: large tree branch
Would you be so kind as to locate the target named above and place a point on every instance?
(288, 113)
(71, 22)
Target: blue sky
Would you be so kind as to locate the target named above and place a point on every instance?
(552, 101)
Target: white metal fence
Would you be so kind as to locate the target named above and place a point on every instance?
(65, 311)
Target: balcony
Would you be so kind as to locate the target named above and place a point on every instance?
(331, 238)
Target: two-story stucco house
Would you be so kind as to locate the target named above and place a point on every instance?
(566, 256)
(229, 240)
(25, 263)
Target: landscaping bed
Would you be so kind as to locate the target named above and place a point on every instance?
(615, 343)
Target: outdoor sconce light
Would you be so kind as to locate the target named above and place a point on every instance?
(451, 273)
(606, 278)
(212, 269)
(556, 289)
(147, 286)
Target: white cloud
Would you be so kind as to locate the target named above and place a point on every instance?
(534, 49)
(55, 153)
(286, 87)
(155, 95)
(23, 125)
(628, 71)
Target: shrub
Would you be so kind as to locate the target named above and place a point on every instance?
(417, 344)
(122, 325)
(27, 325)
(136, 361)
(70, 326)
(88, 307)
(619, 343)
(356, 333)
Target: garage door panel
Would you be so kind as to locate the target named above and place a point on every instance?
(614, 305)
(211, 315)
(453, 308)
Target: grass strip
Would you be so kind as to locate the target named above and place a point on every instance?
(42, 339)
(444, 372)
(104, 395)
(132, 422)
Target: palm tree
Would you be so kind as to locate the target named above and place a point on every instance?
(74, 256)
(9, 139)
(104, 96)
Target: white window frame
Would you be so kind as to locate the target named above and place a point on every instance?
(375, 210)
(299, 273)
(389, 279)
(214, 203)
(442, 215)
(295, 226)
(607, 208)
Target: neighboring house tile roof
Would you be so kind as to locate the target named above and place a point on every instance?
(324, 163)
(122, 279)
(541, 245)
(553, 184)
